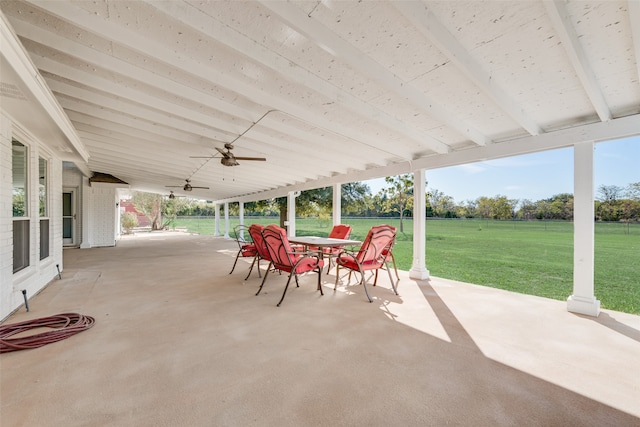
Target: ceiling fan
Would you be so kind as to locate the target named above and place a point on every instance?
(228, 158)
(186, 187)
(173, 196)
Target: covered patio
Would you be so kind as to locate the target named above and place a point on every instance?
(179, 341)
(244, 101)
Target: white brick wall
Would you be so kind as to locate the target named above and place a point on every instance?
(40, 272)
(6, 236)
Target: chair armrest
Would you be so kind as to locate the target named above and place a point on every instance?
(305, 253)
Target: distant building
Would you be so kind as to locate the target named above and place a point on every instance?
(127, 206)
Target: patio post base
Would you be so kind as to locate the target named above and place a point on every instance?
(419, 273)
(581, 305)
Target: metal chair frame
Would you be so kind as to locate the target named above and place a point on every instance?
(374, 254)
(246, 248)
(284, 258)
(339, 231)
(255, 230)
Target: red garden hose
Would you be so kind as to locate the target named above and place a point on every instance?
(66, 324)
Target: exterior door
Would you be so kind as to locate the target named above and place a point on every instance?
(68, 217)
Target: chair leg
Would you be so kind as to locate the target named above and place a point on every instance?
(264, 279)
(364, 285)
(395, 267)
(251, 268)
(393, 283)
(319, 280)
(285, 288)
(235, 262)
(335, 287)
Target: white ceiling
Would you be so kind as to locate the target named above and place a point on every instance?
(328, 91)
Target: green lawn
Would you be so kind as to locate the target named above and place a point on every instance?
(533, 258)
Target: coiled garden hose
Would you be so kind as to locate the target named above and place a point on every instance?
(66, 325)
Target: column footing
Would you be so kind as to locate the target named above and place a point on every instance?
(588, 306)
(419, 273)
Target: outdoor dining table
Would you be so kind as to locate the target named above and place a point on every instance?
(322, 242)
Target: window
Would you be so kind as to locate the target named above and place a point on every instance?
(19, 165)
(21, 222)
(43, 182)
(43, 196)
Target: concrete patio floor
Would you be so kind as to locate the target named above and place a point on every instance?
(180, 342)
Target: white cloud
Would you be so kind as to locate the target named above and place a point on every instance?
(472, 168)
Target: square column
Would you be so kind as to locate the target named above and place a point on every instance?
(418, 268)
(226, 220)
(216, 231)
(583, 300)
(337, 204)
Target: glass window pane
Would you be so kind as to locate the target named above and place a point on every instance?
(43, 184)
(67, 228)
(20, 244)
(19, 168)
(66, 204)
(44, 238)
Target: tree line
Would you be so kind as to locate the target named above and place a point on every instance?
(613, 203)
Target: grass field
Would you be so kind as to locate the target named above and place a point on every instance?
(533, 258)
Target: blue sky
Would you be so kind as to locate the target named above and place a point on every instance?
(533, 176)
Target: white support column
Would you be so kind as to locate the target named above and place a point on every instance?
(337, 204)
(217, 221)
(583, 300)
(86, 215)
(418, 268)
(226, 220)
(291, 213)
(241, 217)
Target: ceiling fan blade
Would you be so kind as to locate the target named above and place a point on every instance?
(202, 157)
(174, 186)
(224, 153)
(260, 159)
(205, 188)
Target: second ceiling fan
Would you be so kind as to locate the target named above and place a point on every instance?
(230, 159)
(187, 186)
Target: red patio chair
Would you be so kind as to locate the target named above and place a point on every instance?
(255, 230)
(284, 258)
(339, 231)
(246, 248)
(372, 256)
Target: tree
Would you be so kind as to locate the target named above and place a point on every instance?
(170, 208)
(160, 211)
(309, 202)
(129, 221)
(609, 208)
(527, 209)
(400, 192)
(484, 207)
(609, 193)
(632, 191)
(150, 205)
(443, 206)
(502, 208)
(356, 197)
(469, 209)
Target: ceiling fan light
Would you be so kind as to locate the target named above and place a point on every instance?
(229, 161)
